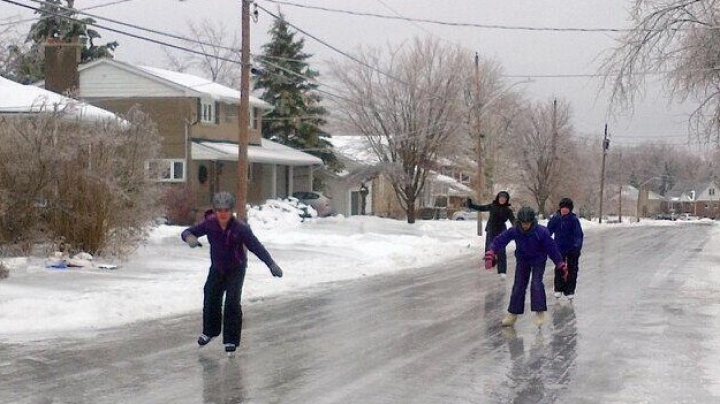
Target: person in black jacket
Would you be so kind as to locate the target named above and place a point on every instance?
(500, 213)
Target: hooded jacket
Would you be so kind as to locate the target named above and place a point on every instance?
(227, 253)
(568, 232)
(499, 214)
(532, 246)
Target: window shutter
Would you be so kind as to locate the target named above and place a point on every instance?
(217, 112)
(199, 110)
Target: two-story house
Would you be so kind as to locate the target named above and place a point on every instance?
(198, 122)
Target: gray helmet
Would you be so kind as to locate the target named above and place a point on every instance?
(223, 200)
(526, 214)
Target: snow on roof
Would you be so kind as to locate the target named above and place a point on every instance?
(269, 153)
(214, 90)
(17, 98)
(355, 147)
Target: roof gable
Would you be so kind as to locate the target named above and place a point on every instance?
(109, 77)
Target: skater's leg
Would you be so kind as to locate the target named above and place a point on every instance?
(558, 282)
(233, 310)
(517, 297)
(212, 304)
(573, 263)
(537, 289)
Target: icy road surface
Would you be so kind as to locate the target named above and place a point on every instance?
(645, 328)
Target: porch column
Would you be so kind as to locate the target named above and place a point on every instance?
(291, 180)
(273, 181)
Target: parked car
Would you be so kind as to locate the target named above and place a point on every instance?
(317, 201)
(688, 216)
(465, 215)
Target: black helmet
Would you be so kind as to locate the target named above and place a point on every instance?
(503, 194)
(526, 214)
(566, 203)
(223, 200)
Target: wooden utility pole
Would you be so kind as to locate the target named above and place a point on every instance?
(605, 146)
(481, 145)
(244, 114)
(621, 191)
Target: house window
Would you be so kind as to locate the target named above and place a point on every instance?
(166, 170)
(464, 178)
(209, 111)
(711, 191)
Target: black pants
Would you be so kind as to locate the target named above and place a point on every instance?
(568, 287)
(215, 318)
(500, 255)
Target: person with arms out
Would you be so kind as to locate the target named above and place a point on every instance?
(533, 245)
(500, 213)
(228, 238)
(565, 227)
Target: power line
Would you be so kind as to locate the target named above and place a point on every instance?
(449, 23)
(86, 8)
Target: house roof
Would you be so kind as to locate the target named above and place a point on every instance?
(17, 98)
(192, 85)
(268, 152)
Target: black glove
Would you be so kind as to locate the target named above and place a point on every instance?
(275, 270)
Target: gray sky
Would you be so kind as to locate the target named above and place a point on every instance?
(553, 54)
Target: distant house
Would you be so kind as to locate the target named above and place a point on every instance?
(443, 192)
(698, 199)
(198, 121)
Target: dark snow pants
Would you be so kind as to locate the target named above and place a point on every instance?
(215, 318)
(500, 255)
(568, 287)
(528, 273)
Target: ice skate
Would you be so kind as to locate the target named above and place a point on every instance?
(570, 297)
(557, 295)
(503, 275)
(203, 340)
(230, 350)
(539, 318)
(509, 320)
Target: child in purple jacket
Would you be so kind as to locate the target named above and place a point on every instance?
(228, 238)
(533, 245)
(565, 227)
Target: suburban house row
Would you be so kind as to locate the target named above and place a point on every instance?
(197, 120)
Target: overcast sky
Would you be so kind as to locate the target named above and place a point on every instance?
(569, 58)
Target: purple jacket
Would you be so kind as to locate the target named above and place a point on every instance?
(532, 247)
(226, 246)
(568, 232)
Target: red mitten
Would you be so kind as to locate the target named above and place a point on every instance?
(564, 269)
(490, 260)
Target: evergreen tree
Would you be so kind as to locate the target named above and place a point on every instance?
(60, 22)
(288, 85)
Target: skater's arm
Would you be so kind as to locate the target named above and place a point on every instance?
(198, 230)
(551, 248)
(256, 247)
(579, 236)
(503, 239)
(480, 208)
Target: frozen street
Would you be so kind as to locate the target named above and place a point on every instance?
(644, 328)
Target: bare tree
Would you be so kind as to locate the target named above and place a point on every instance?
(680, 40)
(219, 57)
(542, 149)
(407, 104)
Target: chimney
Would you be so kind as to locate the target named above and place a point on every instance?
(61, 65)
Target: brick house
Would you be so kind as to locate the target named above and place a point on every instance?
(198, 122)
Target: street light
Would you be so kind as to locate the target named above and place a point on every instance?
(640, 193)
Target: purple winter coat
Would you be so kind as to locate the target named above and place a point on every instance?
(533, 246)
(226, 246)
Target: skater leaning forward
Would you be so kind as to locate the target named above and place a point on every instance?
(500, 213)
(533, 245)
(565, 227)
(228, 261)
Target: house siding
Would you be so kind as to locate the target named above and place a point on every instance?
(109, 81)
